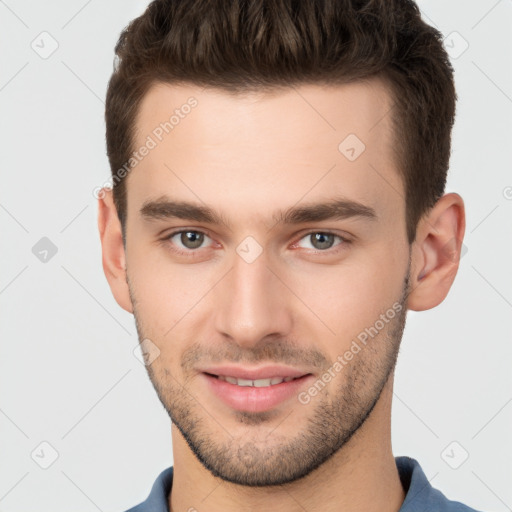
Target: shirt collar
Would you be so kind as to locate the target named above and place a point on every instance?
(416, 486)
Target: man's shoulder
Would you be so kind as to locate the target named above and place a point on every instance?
(157, 499)
(420, 495)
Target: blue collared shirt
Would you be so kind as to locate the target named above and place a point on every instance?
(420, 495)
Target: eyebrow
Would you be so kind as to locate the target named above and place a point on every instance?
(337, 209)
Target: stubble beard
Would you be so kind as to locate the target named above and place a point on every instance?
(274, 459)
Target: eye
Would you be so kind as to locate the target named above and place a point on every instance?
(186, 241)
(189, 239)
(323, 240)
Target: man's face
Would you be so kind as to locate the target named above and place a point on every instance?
(262, 296)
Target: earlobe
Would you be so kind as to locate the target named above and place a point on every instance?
(113, 251)
(436, 253)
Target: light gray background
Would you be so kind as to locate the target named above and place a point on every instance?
(68, 375)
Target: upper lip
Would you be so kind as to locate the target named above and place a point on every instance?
(255, 373)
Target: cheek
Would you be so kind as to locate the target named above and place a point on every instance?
(353, 295)
(164, 292)
(337, 300)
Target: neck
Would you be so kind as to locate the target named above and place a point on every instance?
(361, 476)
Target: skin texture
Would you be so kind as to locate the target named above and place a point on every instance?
(246, 157)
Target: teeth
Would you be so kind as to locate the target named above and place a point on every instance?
(263, 383)
(258, 383)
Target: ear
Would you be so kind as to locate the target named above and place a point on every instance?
(113, 252)
(436, 253)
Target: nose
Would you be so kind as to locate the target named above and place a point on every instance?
(252, 303)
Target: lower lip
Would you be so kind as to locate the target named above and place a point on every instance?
(253, 399)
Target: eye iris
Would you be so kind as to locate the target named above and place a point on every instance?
(321, 238)
(195, 239)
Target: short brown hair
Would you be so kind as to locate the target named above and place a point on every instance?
(244, 45)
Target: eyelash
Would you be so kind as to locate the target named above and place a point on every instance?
(189, 252)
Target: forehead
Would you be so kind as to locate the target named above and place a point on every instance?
(217, 116)
(261, 150)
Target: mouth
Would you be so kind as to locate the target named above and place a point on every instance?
(255, 390)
